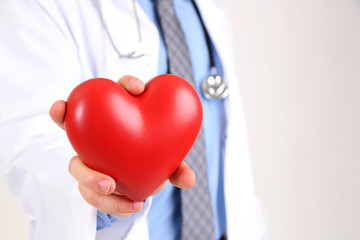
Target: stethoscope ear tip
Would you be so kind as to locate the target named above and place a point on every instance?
(215, 87)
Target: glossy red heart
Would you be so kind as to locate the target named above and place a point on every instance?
(138, 140)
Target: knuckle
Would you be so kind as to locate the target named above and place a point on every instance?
(71, 165)
(121, 207)
(93, 199)
(124, 215)
(90, 180)
(89, 196)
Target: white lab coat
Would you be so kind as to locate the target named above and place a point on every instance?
(47, 47)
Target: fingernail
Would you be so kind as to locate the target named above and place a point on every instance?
(137, 205)
(104, 185)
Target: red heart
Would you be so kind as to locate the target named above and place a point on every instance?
(138, 140)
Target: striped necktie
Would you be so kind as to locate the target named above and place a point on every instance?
(197, 213)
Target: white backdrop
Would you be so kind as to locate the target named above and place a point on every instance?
(299, 71)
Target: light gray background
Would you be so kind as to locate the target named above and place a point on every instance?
(298, 64)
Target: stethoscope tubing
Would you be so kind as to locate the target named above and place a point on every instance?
(213, 87)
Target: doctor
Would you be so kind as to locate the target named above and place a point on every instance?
(46, 49)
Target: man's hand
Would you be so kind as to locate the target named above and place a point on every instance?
(97, 188)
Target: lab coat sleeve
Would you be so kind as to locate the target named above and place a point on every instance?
(39, 65)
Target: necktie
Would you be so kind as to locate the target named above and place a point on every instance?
(197, 215)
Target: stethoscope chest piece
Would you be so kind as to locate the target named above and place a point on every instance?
(215, 87)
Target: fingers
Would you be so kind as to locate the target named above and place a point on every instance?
(90, 178)
(57, 113)
(183, 177)
(98, 189)
(132, 84)
(116, 205)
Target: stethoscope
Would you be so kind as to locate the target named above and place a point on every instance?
(213, 87)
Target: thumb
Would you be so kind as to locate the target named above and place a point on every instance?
(132, 84)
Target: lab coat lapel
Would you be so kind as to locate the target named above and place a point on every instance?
(242, 207)
(125, 37)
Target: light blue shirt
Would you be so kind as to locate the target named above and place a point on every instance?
(164, 217)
